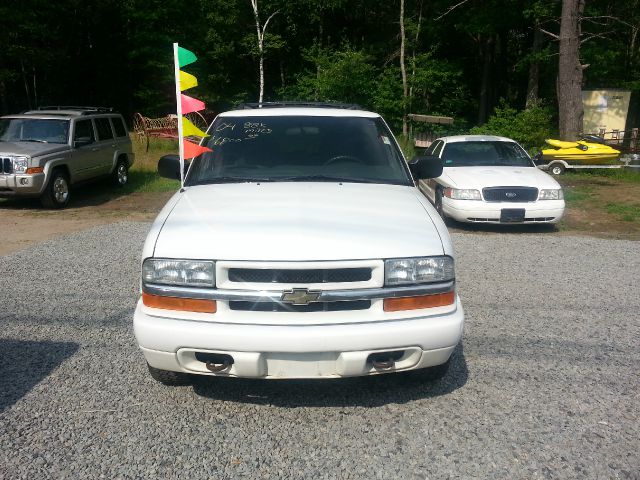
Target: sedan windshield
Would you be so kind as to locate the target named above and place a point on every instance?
(485, 154)
(299, 148)
(34, 130)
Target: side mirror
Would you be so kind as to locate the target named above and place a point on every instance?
(537, 159)
(169, 166)
(425, 167)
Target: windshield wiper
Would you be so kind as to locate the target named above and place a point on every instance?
(33, 140)
(324, 178)
(229, 180)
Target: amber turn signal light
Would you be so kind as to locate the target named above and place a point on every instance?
(35, 170)
(423, 301)
(175, 303)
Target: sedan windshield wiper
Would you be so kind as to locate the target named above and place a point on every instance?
(33, 140)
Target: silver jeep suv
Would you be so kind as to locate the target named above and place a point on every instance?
(44, 152)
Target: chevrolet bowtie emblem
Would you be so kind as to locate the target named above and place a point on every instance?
(299, 296)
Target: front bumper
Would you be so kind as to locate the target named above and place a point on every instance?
(479, 211)
(298, 351)
(14, 185)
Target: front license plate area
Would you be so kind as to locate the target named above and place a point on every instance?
(511, 215)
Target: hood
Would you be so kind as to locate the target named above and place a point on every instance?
(481, 177)
(298, 221)
(31, 149)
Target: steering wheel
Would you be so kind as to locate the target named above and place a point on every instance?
(343, 158)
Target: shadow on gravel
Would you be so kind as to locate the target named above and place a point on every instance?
(453, 226)
(23, 364)
(372, 391)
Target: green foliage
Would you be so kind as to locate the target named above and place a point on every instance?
(342, 76)
(529, 127)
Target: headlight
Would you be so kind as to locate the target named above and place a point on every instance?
(190, 273)
(462, 194)
(405, 271)
(20, 164)
(555, 194)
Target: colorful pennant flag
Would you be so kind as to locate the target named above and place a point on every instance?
(187, 81)
(193, 150)
(184, 105)
(190, 104)
(185, 57)
(190, 130)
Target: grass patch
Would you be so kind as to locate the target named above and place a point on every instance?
(628, 175)
(577, 194)
(143, 176)
(625, 212)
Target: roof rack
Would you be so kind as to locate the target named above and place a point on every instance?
(346, 106)
(84, 109)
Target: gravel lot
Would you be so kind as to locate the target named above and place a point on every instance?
(546, 384)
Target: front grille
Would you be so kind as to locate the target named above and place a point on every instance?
(311, 307)
(337, 275)
(510, 194)
(6, 166)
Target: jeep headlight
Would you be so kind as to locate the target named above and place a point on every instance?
(550, 194)
(187, 273)
(20, 164)
(406, 271)
(462, 194)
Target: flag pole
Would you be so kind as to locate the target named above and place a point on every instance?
(176, 67)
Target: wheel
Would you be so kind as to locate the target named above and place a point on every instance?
(120, 175)
(556, 169)
(57, 192)
(169, 378)
(438, 203)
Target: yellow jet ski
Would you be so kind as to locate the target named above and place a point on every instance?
(590, 150)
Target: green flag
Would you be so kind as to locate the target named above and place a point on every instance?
(185, 57)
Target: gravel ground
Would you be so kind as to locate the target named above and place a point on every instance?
(545, 385)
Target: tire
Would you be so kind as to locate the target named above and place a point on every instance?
(438, 203)
(120, 175)
(57, 192)
(556, 169)
(166, 377)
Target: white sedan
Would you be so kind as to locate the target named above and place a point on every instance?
(488, 179)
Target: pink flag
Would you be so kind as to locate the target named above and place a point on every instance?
(193, 150)
(190, 104)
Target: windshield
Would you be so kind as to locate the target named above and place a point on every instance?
(34, 130)
(485, 154)
(299, 148)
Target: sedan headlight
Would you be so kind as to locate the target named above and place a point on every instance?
(462, 194)
(405, 271)
(550, 194)
(20, 164)
(188, 273)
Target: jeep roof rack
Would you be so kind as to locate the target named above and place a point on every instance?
(84, 110)
(285, 104)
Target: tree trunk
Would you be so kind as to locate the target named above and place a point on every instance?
(403, 70)
(534, 67)
(487, 47)
(570, 107)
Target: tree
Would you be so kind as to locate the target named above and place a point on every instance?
(260, 30)
(570, 109)
(403, 70)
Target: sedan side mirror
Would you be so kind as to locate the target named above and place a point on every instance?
(425, 167)
(169, 166)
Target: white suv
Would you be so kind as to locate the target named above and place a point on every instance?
(299, 248)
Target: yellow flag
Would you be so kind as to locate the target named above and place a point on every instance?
(187, 81)
(189, 129)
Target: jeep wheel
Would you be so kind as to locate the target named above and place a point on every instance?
(169, 378)
(57, 192)
(121, 174)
